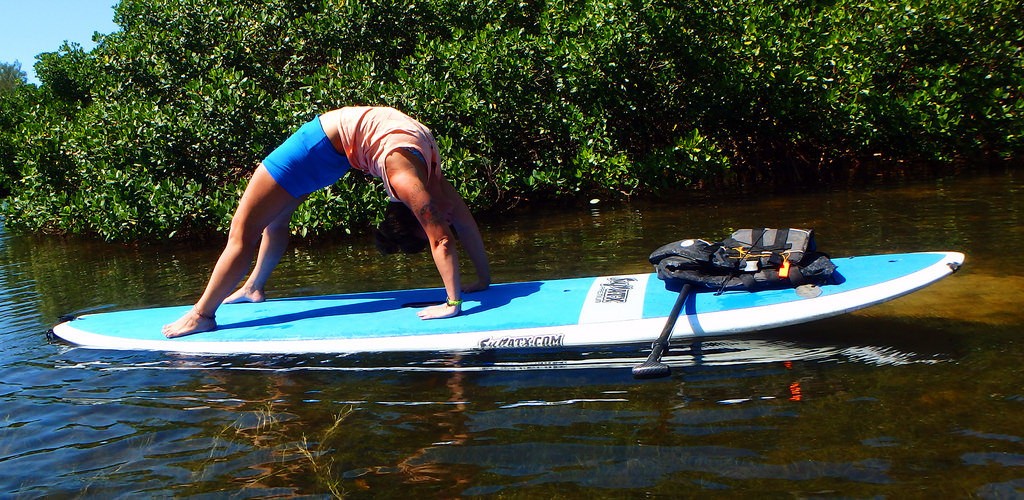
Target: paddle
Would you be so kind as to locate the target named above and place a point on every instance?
(653, 367)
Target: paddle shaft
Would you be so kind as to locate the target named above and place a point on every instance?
(653, 367)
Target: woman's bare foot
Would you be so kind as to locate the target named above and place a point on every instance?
(191, 322)
(246, 295)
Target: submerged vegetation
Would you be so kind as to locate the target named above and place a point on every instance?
(153, 133)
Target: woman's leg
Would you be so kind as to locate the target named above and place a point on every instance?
(272, 247)
(263, 201)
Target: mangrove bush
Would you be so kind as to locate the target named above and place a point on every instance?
(153, 133)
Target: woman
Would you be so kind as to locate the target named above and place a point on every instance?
(379, 141)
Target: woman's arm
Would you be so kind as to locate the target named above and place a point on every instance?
(469, 236)
(409, 184)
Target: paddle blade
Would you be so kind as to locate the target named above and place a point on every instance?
(653, 367)
(649, 370)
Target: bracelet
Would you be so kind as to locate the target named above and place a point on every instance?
(454, 303)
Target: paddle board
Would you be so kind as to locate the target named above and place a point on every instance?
(550, 314)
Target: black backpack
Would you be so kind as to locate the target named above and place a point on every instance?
(750, 259)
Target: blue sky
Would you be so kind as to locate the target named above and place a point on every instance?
(31, 27)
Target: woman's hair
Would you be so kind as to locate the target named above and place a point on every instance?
(399, 231)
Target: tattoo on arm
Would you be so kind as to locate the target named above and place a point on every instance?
(430, 213)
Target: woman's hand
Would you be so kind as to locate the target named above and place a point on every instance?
(442, 310)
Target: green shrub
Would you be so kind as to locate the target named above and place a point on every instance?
(153, 133)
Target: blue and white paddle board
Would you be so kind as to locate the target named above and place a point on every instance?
(560, 313)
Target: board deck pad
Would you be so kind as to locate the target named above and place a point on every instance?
(524, 315)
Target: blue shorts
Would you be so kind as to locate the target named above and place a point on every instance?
(306, 161)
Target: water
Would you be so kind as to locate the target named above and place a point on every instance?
(922, 396)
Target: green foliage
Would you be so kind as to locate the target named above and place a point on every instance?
(11, 76)
(153, 133)
(14, 98)
(13, 104)
(69, 76)
(843, 81)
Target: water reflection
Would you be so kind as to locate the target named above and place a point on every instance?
(917, 395)
(604, 466)
(793, 344)
(448, 420)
